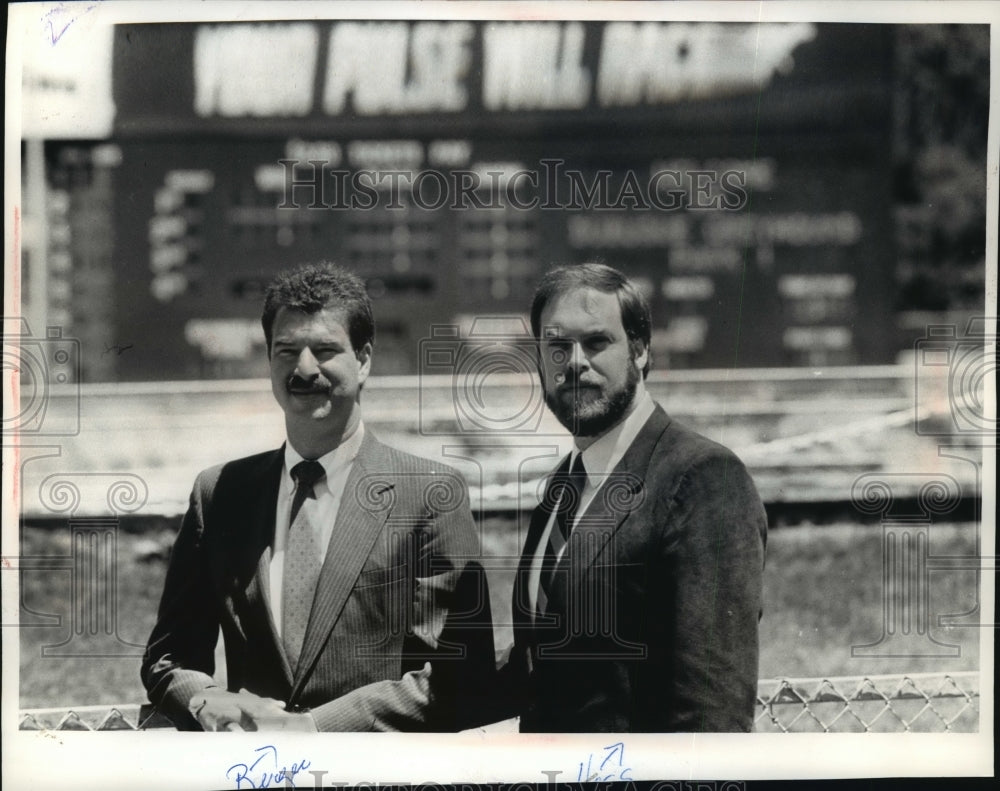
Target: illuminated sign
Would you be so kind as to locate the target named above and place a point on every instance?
(367, 69)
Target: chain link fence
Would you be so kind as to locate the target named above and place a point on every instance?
(918, 702)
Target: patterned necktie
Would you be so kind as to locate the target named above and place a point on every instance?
(302, 559)
(570, 491)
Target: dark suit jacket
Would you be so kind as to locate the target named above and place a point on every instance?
(652, 622)
(400, 625)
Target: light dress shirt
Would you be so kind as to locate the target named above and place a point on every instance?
(599, 460)
(329, 494)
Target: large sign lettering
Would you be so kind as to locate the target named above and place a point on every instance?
(391, 68)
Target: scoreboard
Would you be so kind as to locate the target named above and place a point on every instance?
(740, 173)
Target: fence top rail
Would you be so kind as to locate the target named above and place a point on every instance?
(960, 674)
(764, 685)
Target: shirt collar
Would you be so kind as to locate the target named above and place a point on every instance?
(603, 455)
(332, 462)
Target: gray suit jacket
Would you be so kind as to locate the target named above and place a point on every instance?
(652, 621)
(400, 626)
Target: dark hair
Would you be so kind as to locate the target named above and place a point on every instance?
(634, 308)
(312, 287)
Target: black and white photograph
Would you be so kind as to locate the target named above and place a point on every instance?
(566, 392)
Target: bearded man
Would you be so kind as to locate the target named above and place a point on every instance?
(638, 594)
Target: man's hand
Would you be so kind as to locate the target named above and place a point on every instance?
(219, 710)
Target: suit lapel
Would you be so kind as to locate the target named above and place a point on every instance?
(358, 524)
(623, 490)
(253, 550)
(539, 519)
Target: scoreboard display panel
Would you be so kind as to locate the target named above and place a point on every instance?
(741, 174)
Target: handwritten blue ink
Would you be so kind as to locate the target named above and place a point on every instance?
(50, 20)
(258, 775)
(606, 773)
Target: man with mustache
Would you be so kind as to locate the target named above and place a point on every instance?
(638, 593)
(341, 571)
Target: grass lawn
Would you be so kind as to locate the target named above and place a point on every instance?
(823, 595)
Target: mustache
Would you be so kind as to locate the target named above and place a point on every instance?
(570, 381)
(295, 383)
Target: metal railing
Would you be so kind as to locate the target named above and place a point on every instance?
(917, 702)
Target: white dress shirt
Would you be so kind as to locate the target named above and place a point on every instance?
(329, 493)
(599, 460)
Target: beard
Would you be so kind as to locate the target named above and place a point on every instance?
(586, 415)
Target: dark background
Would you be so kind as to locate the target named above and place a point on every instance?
(882, 124)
